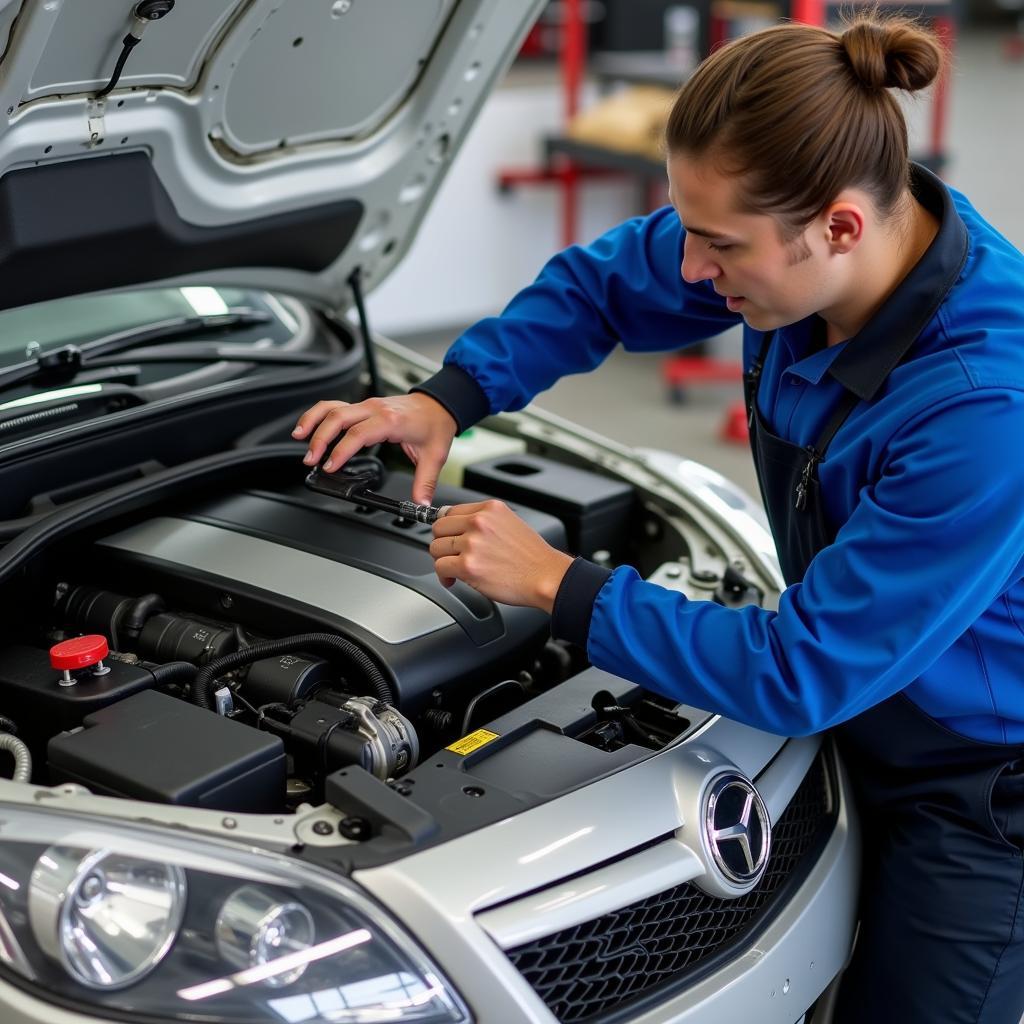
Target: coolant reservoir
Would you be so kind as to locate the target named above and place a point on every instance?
(476, 445)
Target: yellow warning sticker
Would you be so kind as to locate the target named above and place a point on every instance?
(474, 741)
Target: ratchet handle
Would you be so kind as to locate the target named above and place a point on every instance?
(422, 513)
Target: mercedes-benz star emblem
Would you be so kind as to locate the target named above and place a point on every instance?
(737, 828)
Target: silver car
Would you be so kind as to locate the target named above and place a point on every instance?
(265, 767)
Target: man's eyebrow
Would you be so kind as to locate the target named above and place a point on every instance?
(705, 233)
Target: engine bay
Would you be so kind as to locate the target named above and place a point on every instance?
(244, 648)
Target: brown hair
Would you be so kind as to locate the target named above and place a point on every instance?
(800, 113)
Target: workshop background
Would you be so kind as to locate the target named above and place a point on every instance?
(566, 147)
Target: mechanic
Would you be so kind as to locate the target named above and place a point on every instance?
(884, 356)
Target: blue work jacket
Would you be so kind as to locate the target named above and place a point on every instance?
(922, 590)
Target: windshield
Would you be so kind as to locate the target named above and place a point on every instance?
(150, 371)
(28, 331)
(168, 343)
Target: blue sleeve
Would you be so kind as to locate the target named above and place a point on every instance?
(624, 288)
(931, 544)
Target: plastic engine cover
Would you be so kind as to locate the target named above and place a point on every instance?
(291, 561)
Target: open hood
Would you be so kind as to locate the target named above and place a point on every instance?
(271, 143)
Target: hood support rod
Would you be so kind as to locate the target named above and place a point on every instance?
(355, 283)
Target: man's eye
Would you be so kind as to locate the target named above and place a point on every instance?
(718, 248)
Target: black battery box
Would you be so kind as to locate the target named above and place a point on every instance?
(34, 696)
(595, 509)
(155, 747)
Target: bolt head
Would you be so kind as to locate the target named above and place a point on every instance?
(354, 828)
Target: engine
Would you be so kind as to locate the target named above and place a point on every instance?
(232, 651)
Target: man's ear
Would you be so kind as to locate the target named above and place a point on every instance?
(844, 224)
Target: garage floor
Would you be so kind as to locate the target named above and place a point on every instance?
(626, 399)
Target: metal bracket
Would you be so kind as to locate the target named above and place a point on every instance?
(94, 113)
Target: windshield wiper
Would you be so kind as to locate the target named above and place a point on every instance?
(232, 352)
(61, 364)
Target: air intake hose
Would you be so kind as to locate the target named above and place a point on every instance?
(203, 685)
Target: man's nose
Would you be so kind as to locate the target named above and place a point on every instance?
(697, 264)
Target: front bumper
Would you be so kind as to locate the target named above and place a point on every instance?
(473, 901)
(775, 976)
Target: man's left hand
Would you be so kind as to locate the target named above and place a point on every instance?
(489, 547)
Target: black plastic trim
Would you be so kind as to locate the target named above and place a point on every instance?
(107, 221)
(134, 495)
(438, 786)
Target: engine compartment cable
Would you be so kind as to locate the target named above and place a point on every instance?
(22, 758)
(204, 684)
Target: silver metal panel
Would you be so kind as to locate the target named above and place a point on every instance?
(328, 70)
(643, 874)
(8, 12)
(781, 779)
(213, 177)
(85, 41)
(387, 609)
(588, 896)
(730, 505)
(597, 823)
(774, 980)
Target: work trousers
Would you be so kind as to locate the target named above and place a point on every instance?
(942, 914)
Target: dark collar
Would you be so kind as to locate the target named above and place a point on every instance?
(876, 349)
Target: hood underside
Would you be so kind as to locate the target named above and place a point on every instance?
(267, 143)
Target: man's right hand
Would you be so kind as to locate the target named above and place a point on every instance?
(421, 425)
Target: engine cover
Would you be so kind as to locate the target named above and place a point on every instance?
(289, 561)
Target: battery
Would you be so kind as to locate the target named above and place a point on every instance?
(154, 747)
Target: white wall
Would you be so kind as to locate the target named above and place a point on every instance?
(476, 247)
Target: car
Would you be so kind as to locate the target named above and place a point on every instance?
(265, 766)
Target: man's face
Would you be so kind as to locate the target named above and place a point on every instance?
(768, 281)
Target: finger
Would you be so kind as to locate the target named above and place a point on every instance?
(445, 547)
(312, 416)
(468, 509)
(333, 424)
(424, 484)
(447, 569)
(450, 525)
(358, 437)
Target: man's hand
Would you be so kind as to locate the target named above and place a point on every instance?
(422, 426)
(489, 547)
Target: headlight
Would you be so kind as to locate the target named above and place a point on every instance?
(108, 920)
(144, 922)
(254, 929)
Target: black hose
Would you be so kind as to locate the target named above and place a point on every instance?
(141, 610)
(203, 684)
(482, 698)
(173, 672)
(127, 45)
(438, 720)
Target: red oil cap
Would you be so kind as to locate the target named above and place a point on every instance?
(79, 652)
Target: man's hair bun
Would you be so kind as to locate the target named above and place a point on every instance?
(891, 53)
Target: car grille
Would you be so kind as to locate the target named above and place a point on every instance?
(666, 941)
